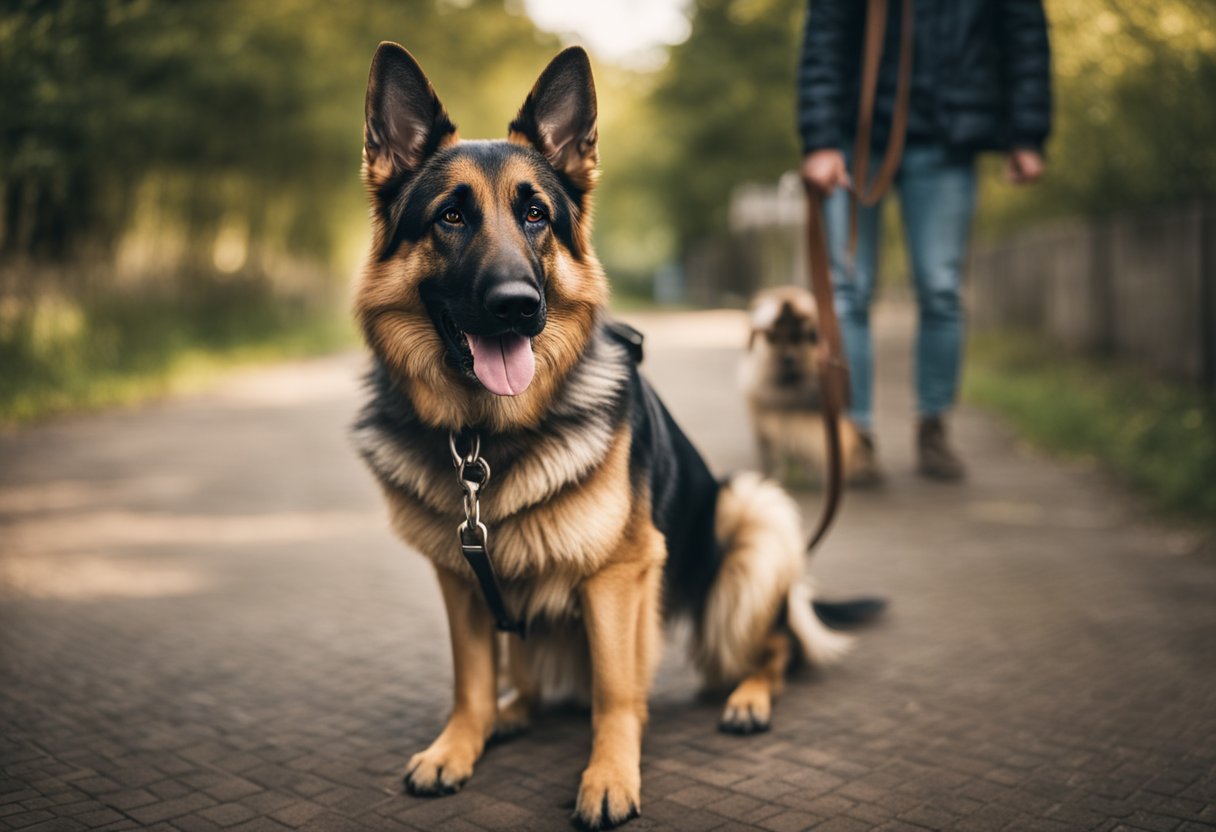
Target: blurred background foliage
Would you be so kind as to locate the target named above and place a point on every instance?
(1135, 110)
(132, 124)
(182, 177)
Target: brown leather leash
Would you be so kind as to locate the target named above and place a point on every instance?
(860, 192)
(833, 369)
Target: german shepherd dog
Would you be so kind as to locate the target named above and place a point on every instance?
(484, 307)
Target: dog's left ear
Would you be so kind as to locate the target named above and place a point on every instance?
(559, 118)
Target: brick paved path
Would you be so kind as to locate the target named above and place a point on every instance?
(204, 624)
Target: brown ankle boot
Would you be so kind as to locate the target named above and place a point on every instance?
(863, 470)
(935, 458)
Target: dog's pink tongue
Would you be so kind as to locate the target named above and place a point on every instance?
(503, 363)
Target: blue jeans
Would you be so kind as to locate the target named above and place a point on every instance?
(937, 200)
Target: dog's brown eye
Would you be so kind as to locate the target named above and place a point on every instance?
(453, 217)
(534, 214)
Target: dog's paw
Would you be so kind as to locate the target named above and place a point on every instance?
(439, 771)
(749, 710)
(608, 796)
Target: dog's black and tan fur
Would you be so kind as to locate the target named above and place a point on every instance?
(603, 519)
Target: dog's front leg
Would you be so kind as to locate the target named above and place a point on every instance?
(620, 606)
(448, 763)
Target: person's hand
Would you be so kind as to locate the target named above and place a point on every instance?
(825, 170)
(1024, 167)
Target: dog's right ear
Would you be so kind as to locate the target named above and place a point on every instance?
(404, 122)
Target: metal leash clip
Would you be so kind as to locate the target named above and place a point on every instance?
(473, 472)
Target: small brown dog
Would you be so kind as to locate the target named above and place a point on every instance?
(780, 378)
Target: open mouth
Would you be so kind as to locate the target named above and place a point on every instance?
(504, 363)
(457, 343)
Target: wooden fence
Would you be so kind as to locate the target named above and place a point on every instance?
(1139, 287)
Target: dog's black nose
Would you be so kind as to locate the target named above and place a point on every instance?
(513, 302)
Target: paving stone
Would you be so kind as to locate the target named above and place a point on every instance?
(844, 824)
(228, 814)
(171, 789)
(27, 819)
(169, 809)
(789, 821)
(130, 799)
(929, 817)
(57, 825)
(1196, 826)
(195, 823)
(97, 817)
(297, 814)
(898, 826)
(263, 825)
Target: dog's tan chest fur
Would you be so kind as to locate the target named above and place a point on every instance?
(554, 517)
(558, 500)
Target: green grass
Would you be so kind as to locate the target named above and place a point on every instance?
(58, 356)
(1158, 437)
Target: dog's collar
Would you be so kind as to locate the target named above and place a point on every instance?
(473, 472)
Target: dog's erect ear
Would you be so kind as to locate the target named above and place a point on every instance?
(559, 118)
(404, 122)
(765, 311)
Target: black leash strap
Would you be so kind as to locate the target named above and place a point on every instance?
(473, 472)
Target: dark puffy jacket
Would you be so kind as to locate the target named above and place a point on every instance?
(980, 79)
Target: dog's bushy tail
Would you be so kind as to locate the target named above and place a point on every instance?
(761, 580)
(845, 615)
(820, 644)
(757, 525)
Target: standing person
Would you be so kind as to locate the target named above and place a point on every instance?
(980, 81)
